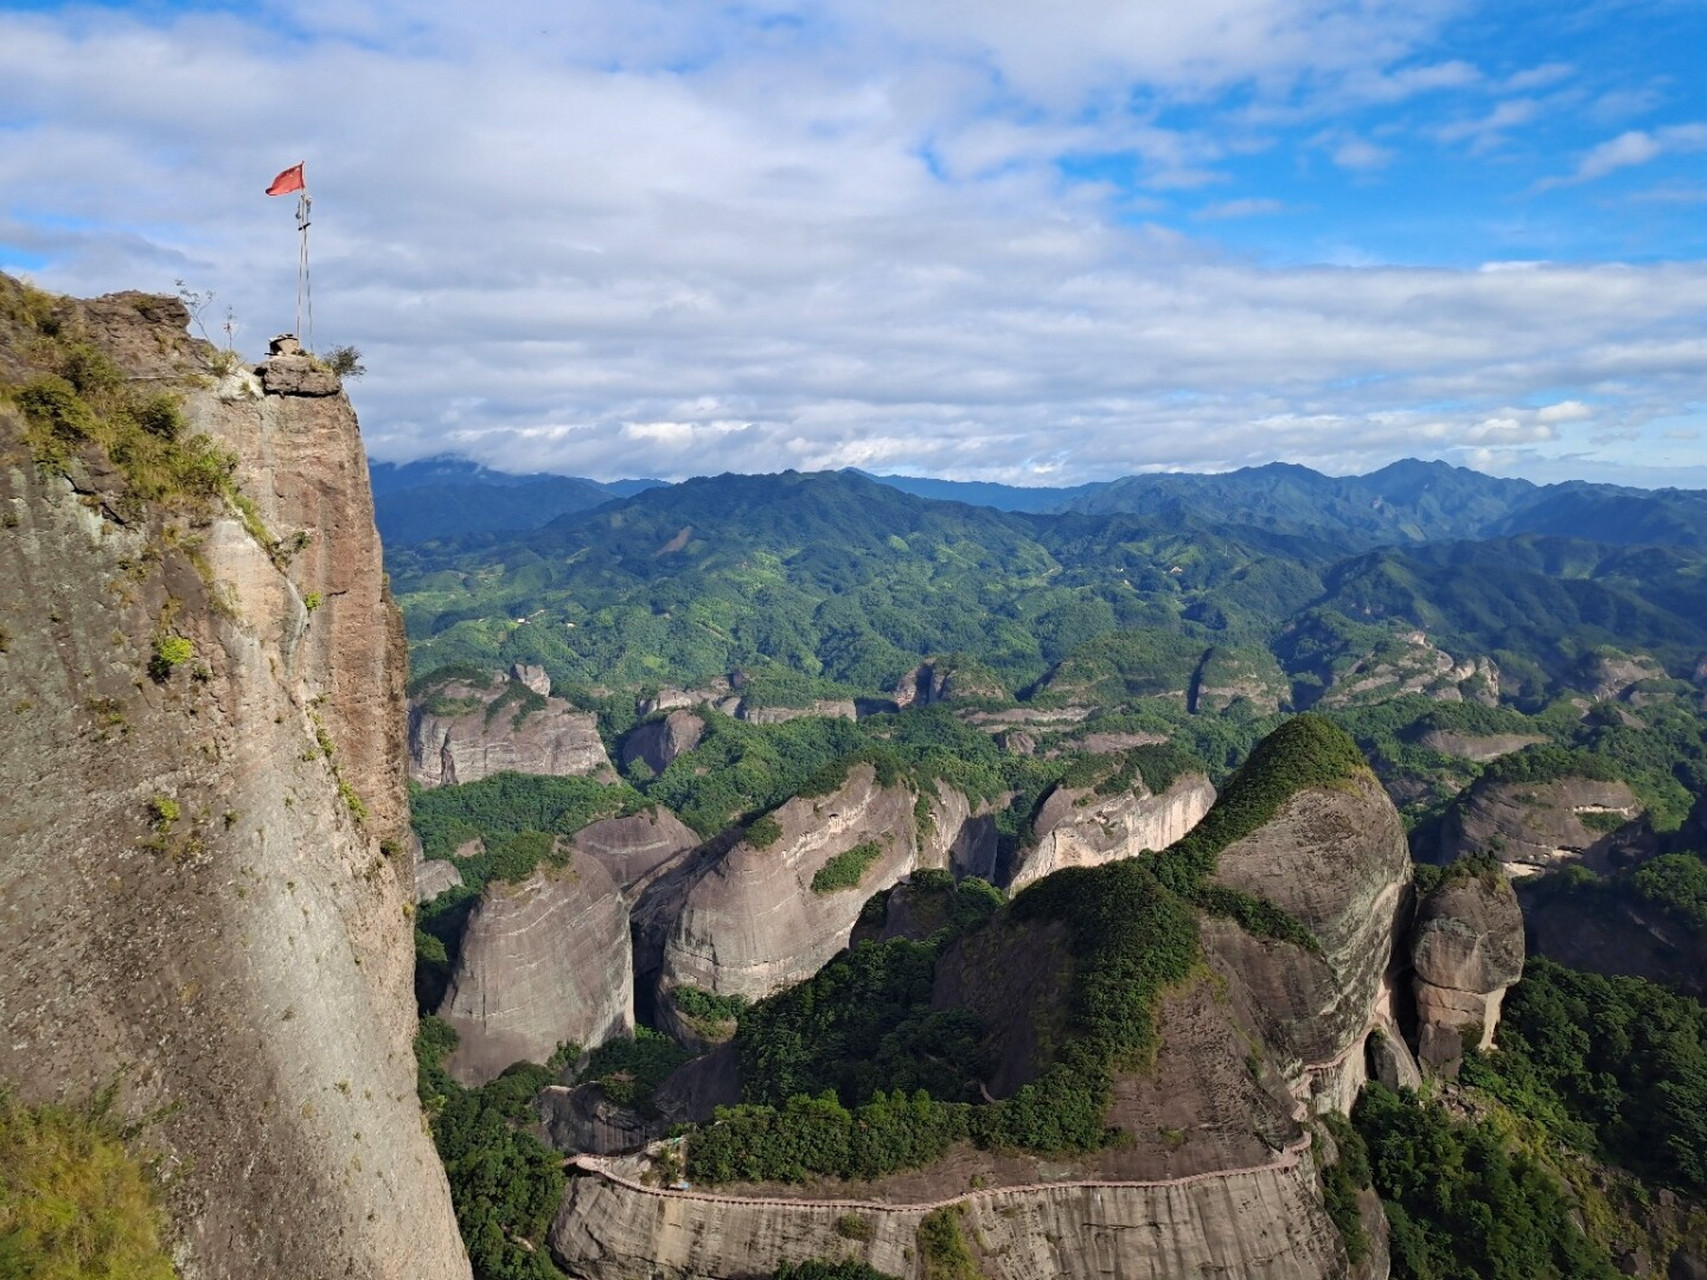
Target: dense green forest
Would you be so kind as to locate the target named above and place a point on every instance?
(838, 577)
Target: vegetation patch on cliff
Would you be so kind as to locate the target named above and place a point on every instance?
(846, 869)
(74, 1200)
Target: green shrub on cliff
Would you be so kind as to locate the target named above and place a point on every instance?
(75, 1203)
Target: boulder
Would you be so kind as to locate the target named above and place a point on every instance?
(542, 962)
(460, 734)
(1466, 949)
(1077, 828)
(634, 848)
(658, 742)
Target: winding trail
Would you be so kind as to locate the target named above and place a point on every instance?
(1290, 1155)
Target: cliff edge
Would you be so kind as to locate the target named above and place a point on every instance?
(204, 878)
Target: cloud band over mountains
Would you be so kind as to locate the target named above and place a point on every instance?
(981, 241)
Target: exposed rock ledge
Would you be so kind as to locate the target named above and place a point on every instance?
(1265, 1223)
(471, 736)
(1077, 828)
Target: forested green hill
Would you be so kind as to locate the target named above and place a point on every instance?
(838, 577)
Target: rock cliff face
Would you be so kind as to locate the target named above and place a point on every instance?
(752, 923)
(636, 848)
(1264, 1224)
(660, 741)
(541, 962)
(1466, 948)
(188, 890)
(1078, 828)
(1538, 824)
(468, 731)
(1336, 861)
(1478, 747)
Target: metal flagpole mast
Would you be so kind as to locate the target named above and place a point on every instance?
(304, 290)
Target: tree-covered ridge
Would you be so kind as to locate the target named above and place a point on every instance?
(839, 579)
(1616, 1066)
(505, 1185)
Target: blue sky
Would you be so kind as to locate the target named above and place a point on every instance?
(984, 239)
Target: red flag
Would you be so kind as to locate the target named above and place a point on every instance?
(288, 181)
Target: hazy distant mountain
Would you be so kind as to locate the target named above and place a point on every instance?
(447, 496)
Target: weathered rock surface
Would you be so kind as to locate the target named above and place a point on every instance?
(1413, 665)
(1537, 824)
(1078, 828)
(433, 876)
(1613, 938)
(634, 848)
(751, 923)
(246, 961)
(1267, 1223)
(532, 677)
(1337, 862)
(835, 708)
(456, 745)
(660, 741)
(1610, 674)
(541, 962)
(1478, 747)
(1466, 948)
(584, 1119)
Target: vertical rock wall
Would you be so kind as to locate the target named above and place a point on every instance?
(188, 898)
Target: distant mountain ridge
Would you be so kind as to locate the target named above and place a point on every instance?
(1405, 503)
(447, 496)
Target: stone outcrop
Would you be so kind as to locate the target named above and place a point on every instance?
(752, 923)
(465, 731)
(532, 677)
(1337, 862)
(582, 1118)
(944, 681)
(636, 848)
(541, 962)
(658, 742)
(1266, 1222)
(1077, 828)
(1479, 747)
(434, 876)
(1466, 949)
(1534, 825)
(1412, 664)
(1610, 674)
(834, 708)
(191, 899)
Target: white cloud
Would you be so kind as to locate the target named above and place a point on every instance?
(606, 240)
(1635, 147)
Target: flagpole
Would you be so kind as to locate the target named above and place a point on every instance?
(304, 285)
